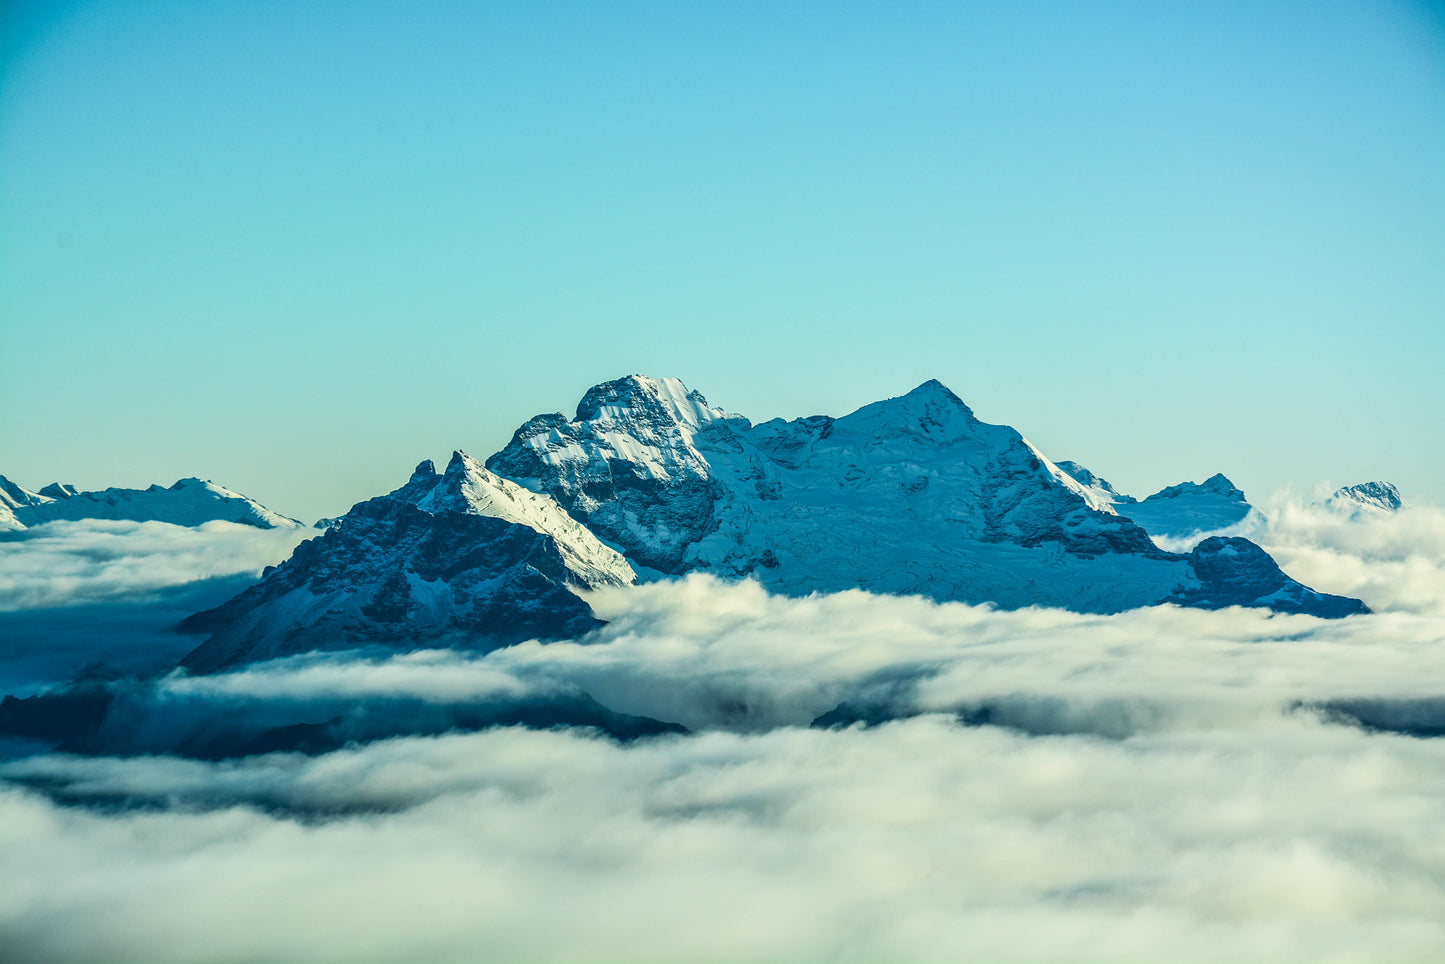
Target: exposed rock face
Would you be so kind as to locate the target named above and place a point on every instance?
(1236, 572)
(461, 559)
(189, 502)
(628, 465)
(1367, 498)
(907, 495)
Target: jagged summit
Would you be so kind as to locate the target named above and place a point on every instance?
(641, 398)
(628, 463)
(1375, 498)
(13, 494)
(461, 558)
(13, 499)
(59, 490)
(468, 487)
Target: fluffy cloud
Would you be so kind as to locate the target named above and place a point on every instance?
(95, 560)
(1160, 784)
(917, 840)
(99, 597)
(1393, 562)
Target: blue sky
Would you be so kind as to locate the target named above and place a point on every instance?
(296, 247)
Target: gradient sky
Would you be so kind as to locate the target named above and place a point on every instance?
(296, 247)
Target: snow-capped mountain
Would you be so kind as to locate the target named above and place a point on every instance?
(189, 502)
(908, 495)
(463, 558)
(1367, 499)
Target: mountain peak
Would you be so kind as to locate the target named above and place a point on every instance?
(934, 390)
(1219, 485)
(59, 490)
(461, 462)
(934, 393)
(471, 488)
(1216, 484)
(642, 398)
(933, 386)
(1377, 496)
(931, 410)
(15, 495)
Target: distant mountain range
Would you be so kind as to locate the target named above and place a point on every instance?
(908, 495)
(189, 502)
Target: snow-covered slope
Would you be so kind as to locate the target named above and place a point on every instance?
(1100, 492)
(1367, 499)
(907, 495)
(14, 500)
(189, 502)
(460, 559)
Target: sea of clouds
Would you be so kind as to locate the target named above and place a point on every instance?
(100, 596)
(1029, 785)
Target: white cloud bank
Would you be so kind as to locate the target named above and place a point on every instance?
(97, 560)
(917, 840)
(1164, 784)
(1392, 561)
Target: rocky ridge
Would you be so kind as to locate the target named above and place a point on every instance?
(462, 558)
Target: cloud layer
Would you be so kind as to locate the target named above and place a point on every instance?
(99, 597)
(919, 840)
(97, 560)
(1393, 562)
(1161, 784)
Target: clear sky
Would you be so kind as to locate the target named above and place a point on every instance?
(296, 247)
